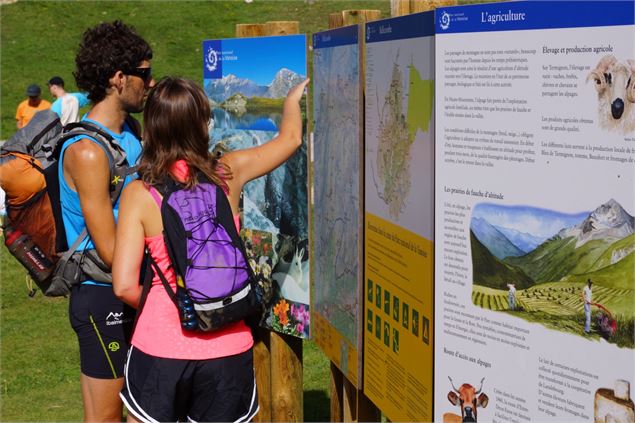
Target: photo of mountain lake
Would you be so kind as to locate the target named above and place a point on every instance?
(547, 257)
(246, 81)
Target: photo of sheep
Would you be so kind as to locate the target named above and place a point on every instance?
(569, 272)
(614, 81)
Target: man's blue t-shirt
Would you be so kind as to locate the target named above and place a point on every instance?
(74, 222)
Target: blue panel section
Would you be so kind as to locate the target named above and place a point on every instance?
(410, 26)
(526, 15)
(257, 59)
(212, 59)
(336, 37)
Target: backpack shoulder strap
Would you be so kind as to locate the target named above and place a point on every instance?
(164, 281)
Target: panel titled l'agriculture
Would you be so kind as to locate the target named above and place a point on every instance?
(535, 198)
(338, 208)
(246, 80)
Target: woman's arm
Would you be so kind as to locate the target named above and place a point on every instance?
(252, 163)
(129, 245)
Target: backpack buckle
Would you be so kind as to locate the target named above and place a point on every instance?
(227, 301)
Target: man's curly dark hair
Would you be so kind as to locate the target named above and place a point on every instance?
(104, 50)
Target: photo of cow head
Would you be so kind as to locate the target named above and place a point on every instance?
(469, 399)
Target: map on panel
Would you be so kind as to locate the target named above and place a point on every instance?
(336, 183)
(400, 113)
(398, 126)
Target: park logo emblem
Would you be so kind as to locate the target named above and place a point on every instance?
(211, 59)
(444, 21)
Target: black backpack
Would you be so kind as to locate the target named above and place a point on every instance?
(34, 230)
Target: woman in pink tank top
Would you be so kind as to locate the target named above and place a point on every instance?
(172, 374)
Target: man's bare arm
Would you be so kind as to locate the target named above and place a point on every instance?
(87, 170)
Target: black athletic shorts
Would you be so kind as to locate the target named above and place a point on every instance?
(103, 325)
(164, 389)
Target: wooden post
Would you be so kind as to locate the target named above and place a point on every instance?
(287, 399)
(366, 410)
(262, 366)
(287, 391)
(262, 355)
(277, 357)
(335, 388)
(351, 17)
(425, 5)
(348, 404)
(399, 7)
(350, 401)
(336, 20)
(282, 27)
(420, 5)
(250, 30)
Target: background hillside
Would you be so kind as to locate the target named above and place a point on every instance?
(491, 272)
(557, 258)
(39, 38)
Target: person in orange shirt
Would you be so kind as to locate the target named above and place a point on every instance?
(30, 106)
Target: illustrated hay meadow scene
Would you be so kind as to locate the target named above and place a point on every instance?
(534, 263)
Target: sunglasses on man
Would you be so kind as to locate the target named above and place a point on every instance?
(143, 73)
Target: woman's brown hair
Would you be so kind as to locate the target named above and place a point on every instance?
(175, 117)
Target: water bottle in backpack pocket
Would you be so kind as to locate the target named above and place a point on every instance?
(187, 314)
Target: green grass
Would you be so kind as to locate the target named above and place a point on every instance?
(558, 258)
(265, 104)
(175, 30)
(40, 358)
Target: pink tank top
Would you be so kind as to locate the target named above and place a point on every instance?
(158, 331)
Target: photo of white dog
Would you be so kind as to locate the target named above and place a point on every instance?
(615, 85)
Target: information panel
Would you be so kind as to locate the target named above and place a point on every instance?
(338, 193)
(399, 224)
(246, 80)
(535, 196)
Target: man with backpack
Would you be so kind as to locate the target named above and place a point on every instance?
(113, 67)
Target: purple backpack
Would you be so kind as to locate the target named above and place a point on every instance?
(215, 283)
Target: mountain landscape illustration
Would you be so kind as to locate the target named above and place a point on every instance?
(602, 244)
(495, 241)
(221, 89)
(522, 240)
(549, 277)
(609, 221)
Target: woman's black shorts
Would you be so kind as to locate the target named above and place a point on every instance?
(164, 389)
